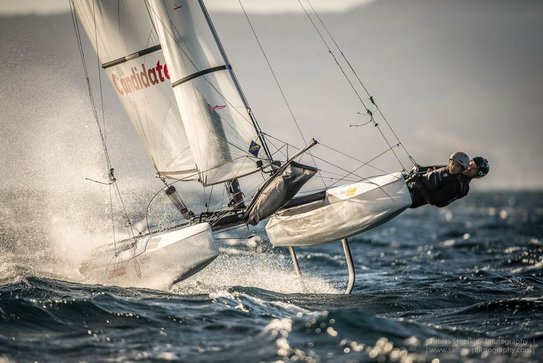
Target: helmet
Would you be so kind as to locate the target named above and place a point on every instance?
(483, 166)
(461, 158)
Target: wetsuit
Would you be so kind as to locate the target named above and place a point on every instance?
(462, 186)
(436, 187)
(451, 191)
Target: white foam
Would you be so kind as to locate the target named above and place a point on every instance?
(267, 271)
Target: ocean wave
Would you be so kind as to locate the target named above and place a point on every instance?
(512, 306)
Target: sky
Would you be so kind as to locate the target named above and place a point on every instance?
(450, 75)
(21, 7)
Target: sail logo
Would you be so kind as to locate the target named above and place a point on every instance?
(140, 78)
(351, 192)
(217, 107)
(116, 271)
(254, 148)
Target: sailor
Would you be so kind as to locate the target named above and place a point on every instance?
(477, 168)
(437, 185)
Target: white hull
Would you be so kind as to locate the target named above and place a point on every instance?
(345, 211)
(156, 261)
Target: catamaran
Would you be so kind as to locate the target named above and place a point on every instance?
(172, 75)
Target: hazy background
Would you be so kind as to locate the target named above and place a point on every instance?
(449, 75)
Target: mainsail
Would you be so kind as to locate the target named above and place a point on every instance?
(128, 47)
(223, 140)
(199, 131)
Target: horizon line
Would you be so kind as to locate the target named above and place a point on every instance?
(57, 7)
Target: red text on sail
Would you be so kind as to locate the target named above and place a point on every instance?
(140, 78)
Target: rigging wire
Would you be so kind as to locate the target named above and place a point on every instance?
(89, 87)
(371, 98)
(112, 180)
(349, 172)
(360, 125)
(367, 163)
(273, 73)
(287, 103)
(94, 111)
(99, 75)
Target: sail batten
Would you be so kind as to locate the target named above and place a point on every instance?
(132, 56)
(199, 74)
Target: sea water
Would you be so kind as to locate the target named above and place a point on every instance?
(462, 283)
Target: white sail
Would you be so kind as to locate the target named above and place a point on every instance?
(128, 47)
(222, 137)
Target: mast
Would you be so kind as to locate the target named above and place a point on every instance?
(221, 134)
(233, 186)
(234, 78)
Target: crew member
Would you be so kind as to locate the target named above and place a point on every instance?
(477, 168)
(436, 186)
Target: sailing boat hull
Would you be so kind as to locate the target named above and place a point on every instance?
(344, 211)
(156, 261)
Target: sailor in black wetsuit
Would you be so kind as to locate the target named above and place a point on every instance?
(437, 185)
(448, 188)
(477, 168)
